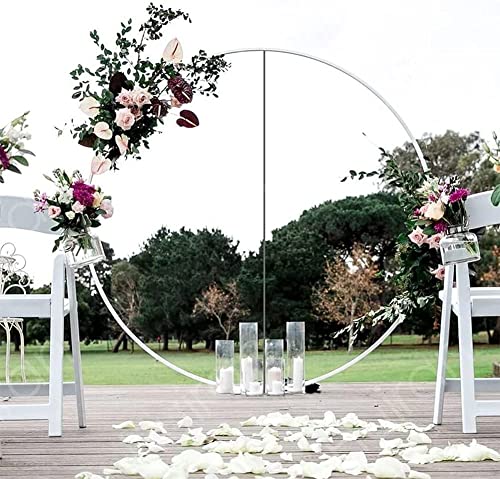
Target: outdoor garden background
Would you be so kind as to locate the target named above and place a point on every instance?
(171, 283)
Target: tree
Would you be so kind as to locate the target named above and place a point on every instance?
(177, 267)
(349, 289)
(491, 277)
(223, 304)
(452, 154)
(125, 282)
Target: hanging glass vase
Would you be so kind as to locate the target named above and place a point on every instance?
(459, 246)
(83, 249)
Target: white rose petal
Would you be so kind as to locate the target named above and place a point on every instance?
(304, 445)
(110, 472)
(415, 455)
(152, 426)
(161, 440)
(266, 431)
(315, 470)
(224, 430)
(354, 463)
(186, 421)
(274, 467)
(418, 438)
(250, 422)
(130, 466)
(286, 456)
(246, 463)
(295, 471)
(418, 475)
(187, 440)
(390, 443)
(87, 475)
(133, 439)
(176, 473)
(388, 468)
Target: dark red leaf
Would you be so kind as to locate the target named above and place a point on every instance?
(117, 82)
(188, 119)
(88, 140)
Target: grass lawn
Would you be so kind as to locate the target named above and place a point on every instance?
(406, 360)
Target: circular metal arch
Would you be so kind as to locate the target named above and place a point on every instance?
(393, 326)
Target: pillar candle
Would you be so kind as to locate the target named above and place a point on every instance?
(246, 372)
(298, 374)
(226, 381)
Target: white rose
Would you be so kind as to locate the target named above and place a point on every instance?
(435, 211)
(102, 130)
(70, 215)
(90, 106)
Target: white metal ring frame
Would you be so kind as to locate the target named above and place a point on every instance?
(367, 351)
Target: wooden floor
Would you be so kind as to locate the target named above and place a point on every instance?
(27, 452)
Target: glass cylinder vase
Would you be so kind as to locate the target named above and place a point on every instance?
(459, 246)
(295, 355)
(82, 250)
(224, 366)
(250, 372)
(275, 377)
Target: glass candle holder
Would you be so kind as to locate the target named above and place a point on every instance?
(459, 246)
(295, 355)
(224, 367)
(275, 378)
(250, 372)
(78, 256)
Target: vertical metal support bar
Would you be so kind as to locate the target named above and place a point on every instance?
(264, 332)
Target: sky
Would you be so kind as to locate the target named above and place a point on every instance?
(435, 61)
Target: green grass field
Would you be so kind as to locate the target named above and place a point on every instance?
(406, 360)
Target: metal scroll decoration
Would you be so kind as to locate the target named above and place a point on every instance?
(393, 326)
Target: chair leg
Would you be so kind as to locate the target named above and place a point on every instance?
(466, 350)
(443, 345)
(7, 352)
(75, 347)
(56, 369)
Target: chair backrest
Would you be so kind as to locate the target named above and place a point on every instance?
(17, 212)
(481, 211)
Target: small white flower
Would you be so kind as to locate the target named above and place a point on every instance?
(186, 421)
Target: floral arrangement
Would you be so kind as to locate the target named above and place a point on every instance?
(442, 206)
(128, 96)
(432, 205)
(493, 156)
(75, 207)
(12, 149)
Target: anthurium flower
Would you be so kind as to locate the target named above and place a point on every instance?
(100, 165)
(103, 131)
(122, 143)
(90, 106)
(173, 51)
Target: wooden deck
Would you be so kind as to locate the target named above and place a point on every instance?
(27, 452)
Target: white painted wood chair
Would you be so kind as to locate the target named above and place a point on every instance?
(16, 212)
(467, 303)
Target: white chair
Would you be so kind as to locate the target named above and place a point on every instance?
(467, 303)
(18, 213)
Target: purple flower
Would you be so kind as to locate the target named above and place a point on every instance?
(4, 159)
(40, 203)
(83, 193)
(440, 226)
(433, 197)
(459, 194)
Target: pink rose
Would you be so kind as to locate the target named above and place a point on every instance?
(125, 98)
(124, 119)
(423, 209)
(78, 207)
(141, 97)
(108, 208)
(54, 211)
(439, 272)
(418, 236)
(122, 143)
(434, 240)
(100, 165)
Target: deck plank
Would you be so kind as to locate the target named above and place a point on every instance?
(27, 452)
